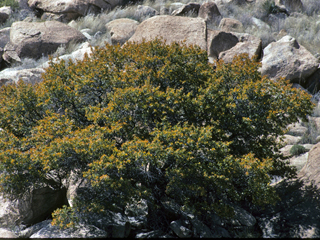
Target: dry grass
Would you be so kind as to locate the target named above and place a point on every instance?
(311, 7)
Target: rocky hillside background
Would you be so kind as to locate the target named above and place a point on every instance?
(283, 34)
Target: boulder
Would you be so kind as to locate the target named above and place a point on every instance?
(200, 230)
(311, 170)
(32, 75)
(5, 13)
(4, 233)
(180, 230)
(35, 39)
(220, 41)
(225, 45)
(286, 149)
(80, 231)
(248, 44)
(32, 208)
(143, 12)
(296, 215)
(120, 226)
(210, 13)
(297, 129)
(299, 161)
(190, 8)
(287, 58)
(10, 55)
(116, 224)
(29, 231)
(244, 217)
(121, 30)
(291, 140)
(172, 29)
(137, 223)
(230, 25)
(66, 10)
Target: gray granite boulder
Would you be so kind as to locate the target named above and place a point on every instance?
(35, 39)
(172, 29)
(287, 58)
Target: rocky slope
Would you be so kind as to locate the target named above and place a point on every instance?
(67, 28)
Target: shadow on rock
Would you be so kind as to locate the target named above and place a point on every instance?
(296, 215)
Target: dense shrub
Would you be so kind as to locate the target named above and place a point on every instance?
(297, 149)
(270, 7)
(149, 121)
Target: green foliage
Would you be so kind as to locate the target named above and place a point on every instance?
(9, 3)
(297, 150)
(149, 121)
(270, 7)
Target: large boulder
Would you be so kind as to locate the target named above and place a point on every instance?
(247, 43)
(311, 170)
(121, 30)
(287, 58)
(210, 13)
(35, 39)
(66, 10)
(220, 41)
(32, 208)
(226, 45)
(172, 29)
(29, 231)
